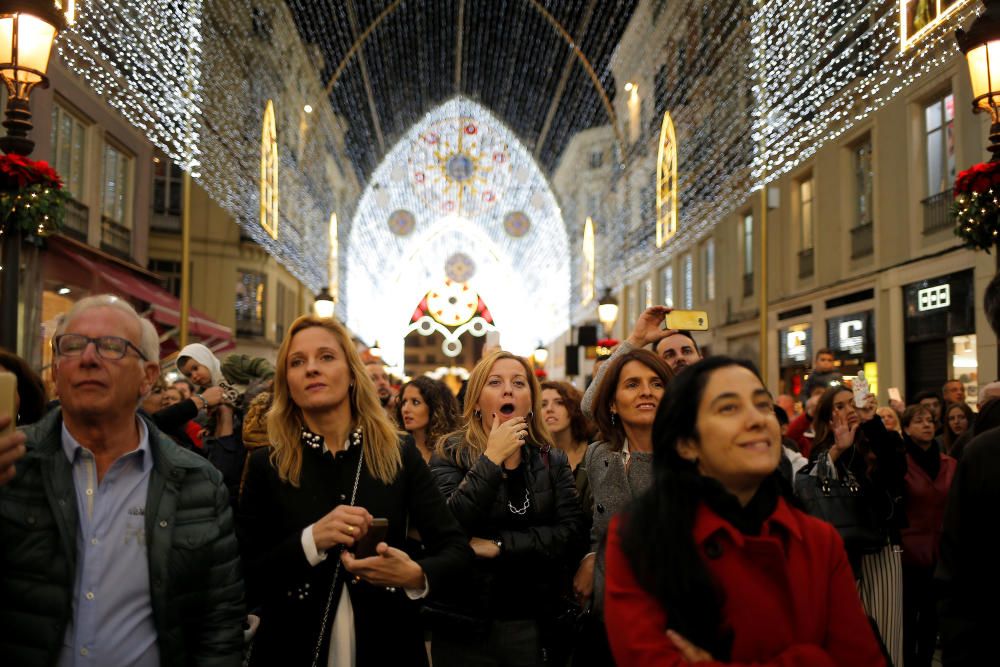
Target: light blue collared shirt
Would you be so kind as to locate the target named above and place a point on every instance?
(112, 621)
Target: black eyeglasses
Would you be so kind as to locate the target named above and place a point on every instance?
(108, 347)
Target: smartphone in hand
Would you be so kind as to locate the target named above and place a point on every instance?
(690, 320)
(377, 532)
(860, 387)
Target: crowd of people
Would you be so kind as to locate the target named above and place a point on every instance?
(311, 513)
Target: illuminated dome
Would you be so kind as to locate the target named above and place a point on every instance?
(461, 174)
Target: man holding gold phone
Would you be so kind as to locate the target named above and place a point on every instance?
(668, 331)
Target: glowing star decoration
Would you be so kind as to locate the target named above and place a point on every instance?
(460, 165)
(527, 285)
(666, 182)
(453, 303)
(460, 267)
(269, 173)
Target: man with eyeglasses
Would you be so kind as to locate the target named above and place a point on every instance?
(117, 546)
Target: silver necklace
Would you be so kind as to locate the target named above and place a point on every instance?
(521, 511)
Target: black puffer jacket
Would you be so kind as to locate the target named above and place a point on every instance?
(195, 583)
(537, 546)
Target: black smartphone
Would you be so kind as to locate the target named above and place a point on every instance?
(377, 532)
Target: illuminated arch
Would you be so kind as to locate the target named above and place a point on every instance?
(522, 271)
(269, 173)
(589, 262)
(666, 182)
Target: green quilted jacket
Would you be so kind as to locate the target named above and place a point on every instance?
(195, 583)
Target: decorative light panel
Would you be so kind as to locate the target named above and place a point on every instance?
(666, 182)
(588, 257)
(525, 279)
(269, 173)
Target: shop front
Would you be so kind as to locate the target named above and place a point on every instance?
(940, 330)
(852, 339)
(795, 351)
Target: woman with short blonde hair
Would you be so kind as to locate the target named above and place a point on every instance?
(513, 493)
(336, 480)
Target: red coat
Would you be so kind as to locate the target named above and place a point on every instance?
(797, 432)
(790, 597)
(926, 499)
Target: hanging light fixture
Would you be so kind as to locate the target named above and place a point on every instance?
(375, 350)
(541, 355)
(981, 46)
(324, 305)
(607, 310)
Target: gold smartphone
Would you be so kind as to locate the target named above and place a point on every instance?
(8, 386)
(690, 320)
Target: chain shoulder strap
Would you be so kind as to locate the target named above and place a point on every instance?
(336, 571)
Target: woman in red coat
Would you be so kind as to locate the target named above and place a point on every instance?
(714, 564)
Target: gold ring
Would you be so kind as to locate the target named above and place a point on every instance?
(350, 530)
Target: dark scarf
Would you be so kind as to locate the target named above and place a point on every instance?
(929, 460)
(749, 519)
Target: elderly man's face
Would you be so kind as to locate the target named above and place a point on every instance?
(92, 388)
(381, 381)
(954, 392)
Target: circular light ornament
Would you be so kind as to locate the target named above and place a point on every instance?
(402, 222)
(516, 224)
(460, 267)
(453, 304)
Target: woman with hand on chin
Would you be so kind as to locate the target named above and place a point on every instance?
(513, 493)
(620, 467)
(713, 563)
(335, 463)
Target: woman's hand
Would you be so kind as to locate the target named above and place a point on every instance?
(344, 525)
(867, 412)
(583, 580)
(843, 435)
(505, 439)
(213, 396)
(647, 328)
(689, 651)
(389, 567)
(484, 548)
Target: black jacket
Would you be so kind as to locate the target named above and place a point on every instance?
(291, 594)
(967, 575)
(524, 580)
(196, 588)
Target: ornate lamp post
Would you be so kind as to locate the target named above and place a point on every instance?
(27, 30)
(607, 310)
(981, 46)
(324, 305)
(540, 355)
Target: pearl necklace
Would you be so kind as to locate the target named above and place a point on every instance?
(315, 441)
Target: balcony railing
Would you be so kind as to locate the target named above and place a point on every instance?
(861, 241)
(116, 238)
(747, 284)
(937, 212)
(247, 327)
(807, 264)
(76, 222)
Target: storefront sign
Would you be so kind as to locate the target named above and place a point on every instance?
(795, 345)
(851, 335)
(932, 298)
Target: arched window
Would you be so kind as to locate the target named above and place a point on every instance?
(269, 173)
(666, 183)
(334, 266)
(589, 260)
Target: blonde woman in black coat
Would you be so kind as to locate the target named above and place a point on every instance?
(336, 463)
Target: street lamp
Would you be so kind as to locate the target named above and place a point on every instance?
(541, 355)
(27, 30)
(981, 47)
(607, 310)
(324, 304)
(375, 350)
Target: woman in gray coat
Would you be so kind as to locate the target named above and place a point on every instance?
(620, 465)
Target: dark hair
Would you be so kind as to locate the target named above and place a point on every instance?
(823, 438)
(949, 435)
(948, 382)
(442, 408)
(927, 393)
(657, 531)
(30, 389)
(679, 332)
(614, 431)
(781, 414)
(988, 417)
(184, 381)
(911, 412)
(824, 350)
(581, 427)
(991, 303)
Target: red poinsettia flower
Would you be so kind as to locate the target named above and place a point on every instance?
(18, 172)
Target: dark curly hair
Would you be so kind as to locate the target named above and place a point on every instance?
(442, 408)
(581, 427)
(614, 431)
(30, 389)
